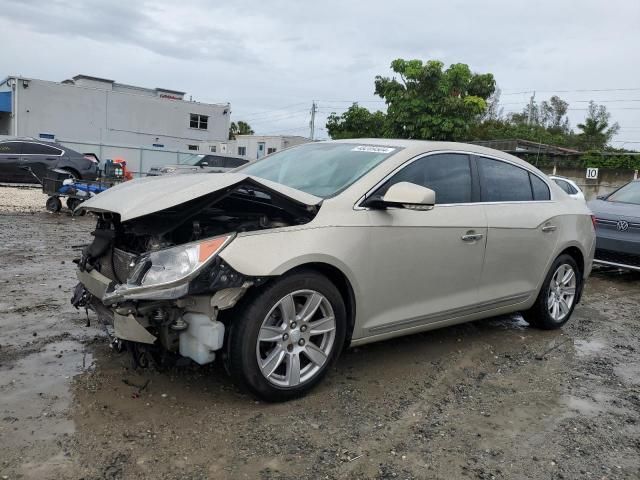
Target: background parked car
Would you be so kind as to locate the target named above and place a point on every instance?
(570, 187)
(617, 218)
(201, 164)
(41, 156)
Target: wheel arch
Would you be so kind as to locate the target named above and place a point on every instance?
(72, 171)
(342, 282)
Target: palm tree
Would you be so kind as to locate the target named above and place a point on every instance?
(596, 131)
(240, 128)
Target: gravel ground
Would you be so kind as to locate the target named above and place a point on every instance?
(27, 199)
(487, 400)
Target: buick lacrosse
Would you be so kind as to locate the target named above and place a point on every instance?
(278, 266)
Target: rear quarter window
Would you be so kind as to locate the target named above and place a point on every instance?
(540, 188)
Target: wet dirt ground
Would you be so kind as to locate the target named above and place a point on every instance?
(490, 399)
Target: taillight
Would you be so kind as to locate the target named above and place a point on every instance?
(593, 220)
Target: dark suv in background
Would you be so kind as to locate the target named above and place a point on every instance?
(40, 156)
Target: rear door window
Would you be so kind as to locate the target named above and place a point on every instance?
(503, 182)
(447, 174)
(39, 149)
(10, 148)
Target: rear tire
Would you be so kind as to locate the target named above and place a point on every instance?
(558, 295)
(74, 173)
(283, 340)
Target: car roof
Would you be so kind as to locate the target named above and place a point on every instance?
(417, 147)
(34, 140)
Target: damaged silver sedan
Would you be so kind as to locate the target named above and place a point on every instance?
(280, 265)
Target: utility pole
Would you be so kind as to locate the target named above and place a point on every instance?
(531, 100)
(312, 123)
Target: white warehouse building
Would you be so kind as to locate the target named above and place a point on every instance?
(253, 147)
(88, 110)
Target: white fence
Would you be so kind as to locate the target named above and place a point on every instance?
(139, 159)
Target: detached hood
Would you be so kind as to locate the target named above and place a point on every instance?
(137, 198)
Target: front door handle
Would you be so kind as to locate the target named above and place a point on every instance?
(549, 228)
(471, 236)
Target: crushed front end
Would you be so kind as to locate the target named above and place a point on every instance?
(157, 280)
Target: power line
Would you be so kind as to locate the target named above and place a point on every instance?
(577, 90)
(267, 112)
(280, 116)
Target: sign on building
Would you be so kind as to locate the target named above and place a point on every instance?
(592, 173)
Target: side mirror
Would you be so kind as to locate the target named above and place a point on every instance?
(405, 195)
(204, 164)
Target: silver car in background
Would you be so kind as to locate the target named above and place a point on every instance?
(570, 187)
(200, 163)
(617, 218)
(281, 264)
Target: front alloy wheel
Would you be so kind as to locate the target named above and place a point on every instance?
(284, 339)
(296, 338)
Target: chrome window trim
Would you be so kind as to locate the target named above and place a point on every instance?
(358, 206)
(62, 152)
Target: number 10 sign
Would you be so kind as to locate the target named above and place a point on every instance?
(592, 173)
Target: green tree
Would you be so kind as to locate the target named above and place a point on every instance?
(426, 102)
(596, 132)
(356, 122)
(240, 128)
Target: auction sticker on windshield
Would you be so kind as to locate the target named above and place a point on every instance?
(371, 149)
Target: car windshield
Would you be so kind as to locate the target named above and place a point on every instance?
(192, 159)
(630, 193)
(321, 169)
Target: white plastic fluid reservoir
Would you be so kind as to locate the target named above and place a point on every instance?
(203, 337)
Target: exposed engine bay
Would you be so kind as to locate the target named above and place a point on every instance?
(157, 278)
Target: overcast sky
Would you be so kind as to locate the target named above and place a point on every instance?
(270, 59)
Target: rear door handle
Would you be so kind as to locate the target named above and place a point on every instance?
(549, 228)
(471, 236)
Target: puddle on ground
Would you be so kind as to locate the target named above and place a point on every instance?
(36, 393)
(583, 406)
(588, 347)
(511, 322)
(628, 372)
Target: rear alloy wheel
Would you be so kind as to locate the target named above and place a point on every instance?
(283, 342)
(558, 295)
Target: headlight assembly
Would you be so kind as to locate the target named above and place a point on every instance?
(165, 273)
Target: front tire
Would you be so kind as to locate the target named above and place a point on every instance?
(558, 295)
(284, 340)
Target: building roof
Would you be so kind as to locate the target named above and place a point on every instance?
(89, 77)
(517, 145)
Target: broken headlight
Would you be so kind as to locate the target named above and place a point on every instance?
(171, 265)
